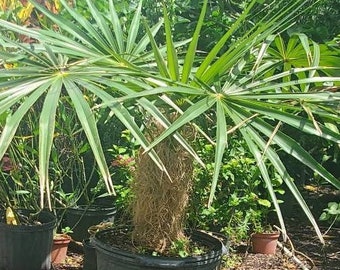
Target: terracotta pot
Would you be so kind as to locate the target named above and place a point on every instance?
(264, 243)
(59, 248)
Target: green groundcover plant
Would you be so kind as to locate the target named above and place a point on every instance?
(240, 86)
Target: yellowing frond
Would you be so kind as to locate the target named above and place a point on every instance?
(10, 217)
(25, 12)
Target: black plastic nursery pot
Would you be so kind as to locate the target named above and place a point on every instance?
(90, 257)
(81, 217)
(27, 247)
(112, 257)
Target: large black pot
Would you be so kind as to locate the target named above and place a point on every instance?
(81, 217)
(27, 247)
(90, 257)
(111, 257)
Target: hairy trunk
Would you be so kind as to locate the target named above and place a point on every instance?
(160, 201)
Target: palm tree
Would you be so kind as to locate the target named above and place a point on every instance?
(95, 58)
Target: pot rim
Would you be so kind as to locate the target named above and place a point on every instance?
(275, 234)
(216, 250)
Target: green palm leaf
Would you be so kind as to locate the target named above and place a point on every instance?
(221, 143)
(134, 27)
(13, 121)
(88, 123)
(46, 134)
(170, 48)
(190, 55)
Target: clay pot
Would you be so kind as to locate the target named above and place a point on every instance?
(59, 248)
(264, 243)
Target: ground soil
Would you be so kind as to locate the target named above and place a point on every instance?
(303, 243)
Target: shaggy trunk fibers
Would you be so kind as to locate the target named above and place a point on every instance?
(160, 203)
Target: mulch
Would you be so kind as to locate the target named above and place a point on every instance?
(74, 261)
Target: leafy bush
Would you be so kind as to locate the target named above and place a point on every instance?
(241, 200)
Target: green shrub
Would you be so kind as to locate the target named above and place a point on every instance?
(241, 199)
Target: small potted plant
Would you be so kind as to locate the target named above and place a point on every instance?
(264, 239)
(60, 245)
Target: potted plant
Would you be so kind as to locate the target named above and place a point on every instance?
(26, 231)
(26, 238)
(264, 239)
(80, 198)
(162, 211)
(94, 205)
(60, 245)
(80, 217)
(232, 88)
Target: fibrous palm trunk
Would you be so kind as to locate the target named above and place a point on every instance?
(160, 199)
